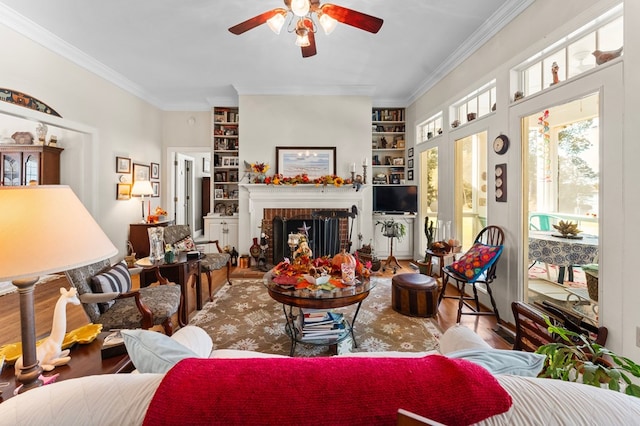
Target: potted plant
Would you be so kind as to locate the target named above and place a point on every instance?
(429, 232)
(576, 358)
(392, 229)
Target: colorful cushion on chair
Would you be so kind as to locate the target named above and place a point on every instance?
(476, 261)
(116, 279)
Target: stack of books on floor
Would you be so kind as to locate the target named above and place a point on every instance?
(321, 325)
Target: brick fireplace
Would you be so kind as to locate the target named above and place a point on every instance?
(261, 204)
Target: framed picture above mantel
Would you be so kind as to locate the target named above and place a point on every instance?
(314, 161)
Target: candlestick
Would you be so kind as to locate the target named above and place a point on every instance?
(365, 161)
(364, 173)
(353, 168)
(353, 176)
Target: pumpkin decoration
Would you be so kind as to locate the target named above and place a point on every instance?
(340, 258)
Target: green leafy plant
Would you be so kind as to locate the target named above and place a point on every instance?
(392, 229)
(576, 357)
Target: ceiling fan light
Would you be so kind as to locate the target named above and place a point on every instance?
(300, 7)
(327, 23)
(276, 22)
(302, 38)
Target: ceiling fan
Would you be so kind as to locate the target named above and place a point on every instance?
(303, 24)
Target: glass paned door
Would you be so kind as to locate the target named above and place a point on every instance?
(563, 183)
(428, 189)
(470, 188)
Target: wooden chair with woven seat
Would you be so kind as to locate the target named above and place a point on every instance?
(492, 236)
(179, 236)
(116, 306)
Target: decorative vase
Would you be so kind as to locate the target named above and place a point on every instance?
(254, 250)
(260, 177)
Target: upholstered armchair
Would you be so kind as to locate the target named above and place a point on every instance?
(107, 298)
(179, 236)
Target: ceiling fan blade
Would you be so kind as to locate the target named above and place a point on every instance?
(353, 18)
(250, 24)
(310, 50)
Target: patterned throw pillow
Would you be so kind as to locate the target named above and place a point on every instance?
(476, 261)
(186, 244)
(113, 280)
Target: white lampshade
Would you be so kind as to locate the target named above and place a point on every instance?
(46, 229)
(327, 23)
(300, 7)
(141, 188)
(276, 22)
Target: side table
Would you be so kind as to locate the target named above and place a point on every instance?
(86, 360)
(441, 259)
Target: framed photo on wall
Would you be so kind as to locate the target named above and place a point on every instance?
(123, 191)
(410, 175)
(410, 152)
(155, 171)
(141, 172)
(123, 165)
(206, 165)
(315, 161)
(156, 189)
(410, 163)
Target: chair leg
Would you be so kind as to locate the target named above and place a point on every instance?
(460, 300)
(229, 272)
(493, 303)
(207, 273)
(475, 297)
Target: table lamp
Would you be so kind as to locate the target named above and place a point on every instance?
(140, 189)
(45, 229)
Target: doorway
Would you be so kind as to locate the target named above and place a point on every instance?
(561, 145)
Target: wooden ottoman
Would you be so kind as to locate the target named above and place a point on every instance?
(415, 295)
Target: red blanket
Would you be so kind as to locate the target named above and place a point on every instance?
(325, 391)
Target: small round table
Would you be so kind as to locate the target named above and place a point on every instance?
(317, 299)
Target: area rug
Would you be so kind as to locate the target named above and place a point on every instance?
(244, 316)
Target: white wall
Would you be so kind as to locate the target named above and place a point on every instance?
(343, 122)
(123, 125)
(541, 24)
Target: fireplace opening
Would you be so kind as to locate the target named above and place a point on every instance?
(328, 232)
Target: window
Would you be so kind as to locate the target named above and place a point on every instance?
(573, 54)
(430, 128)
(476, 104)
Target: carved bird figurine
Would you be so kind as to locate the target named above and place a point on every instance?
(606, 56)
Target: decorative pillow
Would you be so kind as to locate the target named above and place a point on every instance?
(153, 352)
(186, 244)
(497, 361)
(476, 261)
(116, 279)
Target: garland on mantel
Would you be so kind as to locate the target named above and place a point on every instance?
(19, 98)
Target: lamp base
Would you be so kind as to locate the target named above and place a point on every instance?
(30, 372)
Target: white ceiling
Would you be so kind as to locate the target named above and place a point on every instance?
(179, 55)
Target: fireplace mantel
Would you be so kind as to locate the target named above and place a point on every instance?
(254, 198)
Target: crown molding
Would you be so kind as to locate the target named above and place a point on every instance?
(355, 90)
(487, 30)
(45, 38)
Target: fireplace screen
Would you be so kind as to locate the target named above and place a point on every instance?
(327, 233)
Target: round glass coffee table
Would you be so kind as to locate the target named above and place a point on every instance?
(312, 299)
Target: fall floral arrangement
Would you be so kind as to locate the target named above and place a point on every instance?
(260, 168)
(279, 179)
(294, 273)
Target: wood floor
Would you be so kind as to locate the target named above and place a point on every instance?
(46, 295)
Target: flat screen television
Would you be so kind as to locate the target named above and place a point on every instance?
(395, 199)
